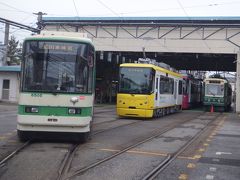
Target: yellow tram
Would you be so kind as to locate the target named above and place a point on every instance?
(148, 89)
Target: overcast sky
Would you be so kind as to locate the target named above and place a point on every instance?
(22, 10)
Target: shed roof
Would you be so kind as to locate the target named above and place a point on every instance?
(216, 21)
(10, 68)
(196, 18)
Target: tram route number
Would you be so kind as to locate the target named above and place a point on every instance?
(36, 95)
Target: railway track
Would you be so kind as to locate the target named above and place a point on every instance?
(64, 171)
(170, 158)
(72, 149)
(68, 174)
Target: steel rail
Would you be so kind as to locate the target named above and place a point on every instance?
(64, 168)
(4, 160)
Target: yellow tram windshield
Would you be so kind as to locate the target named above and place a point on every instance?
(136, 80)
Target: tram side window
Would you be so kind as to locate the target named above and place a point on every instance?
(166, 85)
(90, 69)
(84, 70)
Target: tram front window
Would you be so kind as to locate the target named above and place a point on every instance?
(136, 80)
(57, 67)
(214, 90)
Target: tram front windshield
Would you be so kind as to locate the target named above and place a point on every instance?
(214, 90)
(135, 80)
(57, 67)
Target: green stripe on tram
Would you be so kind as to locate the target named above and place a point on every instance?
(55, 111)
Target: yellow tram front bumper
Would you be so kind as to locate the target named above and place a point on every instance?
(141, 113)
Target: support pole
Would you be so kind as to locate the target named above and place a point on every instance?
(6, 40)
(6, 36)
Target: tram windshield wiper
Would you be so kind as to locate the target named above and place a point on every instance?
(135, 91)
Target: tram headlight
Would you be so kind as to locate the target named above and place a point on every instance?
(74, 111)
(30, 109)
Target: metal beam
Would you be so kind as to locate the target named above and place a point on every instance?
(167, 32)
(196, 29)
(147, 31)
(128, 32)
(115, 36)
(19, 25)
(204, 38)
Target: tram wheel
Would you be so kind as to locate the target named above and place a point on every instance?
(22, 136)
(154, 113)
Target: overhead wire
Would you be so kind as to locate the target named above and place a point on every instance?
(103, 4)
(75, 8)
(185, 12)
(5, 4)
(17, 10)
(118, 14)
(186, 7)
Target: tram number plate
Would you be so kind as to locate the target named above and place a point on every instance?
(36, 95)
(52, 120)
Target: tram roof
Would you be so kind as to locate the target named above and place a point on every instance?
(215, 79)
(152, 66)
(61, 36)
(207, 20)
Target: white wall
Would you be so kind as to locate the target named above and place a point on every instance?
(164, 39)
(14, 85)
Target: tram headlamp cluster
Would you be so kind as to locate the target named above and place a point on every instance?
(30, 109)
(74, 111)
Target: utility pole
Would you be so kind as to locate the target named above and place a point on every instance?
(6, 40)
(39, 19)
(6, 36)
(144, 53)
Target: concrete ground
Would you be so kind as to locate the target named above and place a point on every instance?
(221, 160)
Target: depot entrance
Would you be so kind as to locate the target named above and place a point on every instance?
(107, 67)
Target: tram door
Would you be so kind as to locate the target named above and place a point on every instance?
(6, 89)
(157, 87)
(175, 91)
(179, 92)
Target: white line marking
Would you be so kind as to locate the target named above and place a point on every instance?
(208, 176)
(213, 169)
(220, 153)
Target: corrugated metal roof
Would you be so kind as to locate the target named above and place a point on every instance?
(10, 68)
(206, 18)
(208, 21)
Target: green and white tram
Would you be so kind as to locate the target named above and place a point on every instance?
(57, 85)
(218, 93)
